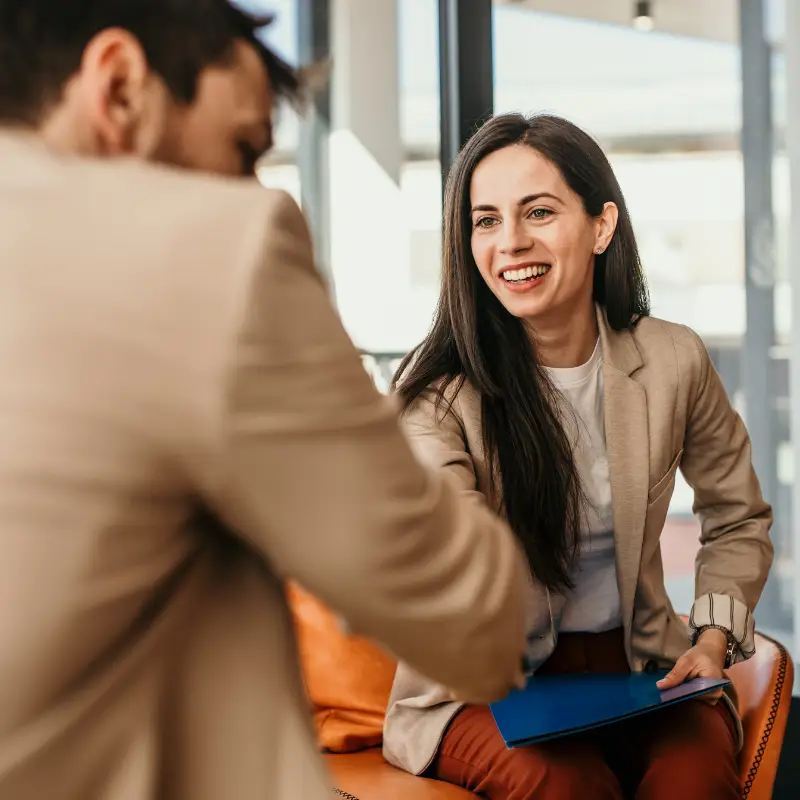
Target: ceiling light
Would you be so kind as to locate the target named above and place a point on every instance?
(643, 16)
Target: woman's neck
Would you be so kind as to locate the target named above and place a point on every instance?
(566, 343)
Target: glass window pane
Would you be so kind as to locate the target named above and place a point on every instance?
(666, 107)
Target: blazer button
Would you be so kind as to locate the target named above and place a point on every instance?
(650, 667)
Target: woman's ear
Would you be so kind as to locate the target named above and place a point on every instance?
(606, 224)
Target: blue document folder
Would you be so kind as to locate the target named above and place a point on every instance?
(551, 706)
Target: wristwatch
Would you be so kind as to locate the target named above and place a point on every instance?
(730, 649)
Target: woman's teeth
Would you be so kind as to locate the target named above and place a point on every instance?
(526, 273)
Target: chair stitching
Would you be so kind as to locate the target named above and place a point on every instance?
(773, 714)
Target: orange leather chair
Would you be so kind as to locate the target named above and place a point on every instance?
(348, 682)
(764, 684)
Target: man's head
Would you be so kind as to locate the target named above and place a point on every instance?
(185, 82)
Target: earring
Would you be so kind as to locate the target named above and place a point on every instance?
(598, 251)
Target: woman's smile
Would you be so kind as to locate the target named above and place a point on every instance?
(524, 277)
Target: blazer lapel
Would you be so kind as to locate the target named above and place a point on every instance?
(627, 445)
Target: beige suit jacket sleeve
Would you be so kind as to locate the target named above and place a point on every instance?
(317, 476)
(438, 439)
(736, 552)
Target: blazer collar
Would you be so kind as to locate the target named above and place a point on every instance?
(23, 153)
(628, 449)
(14, 140)
(619, 347)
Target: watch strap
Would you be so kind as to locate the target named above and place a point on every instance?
(731, 646)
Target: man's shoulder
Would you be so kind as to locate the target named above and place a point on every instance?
(170, 217)
(154, 190)
(206, 239)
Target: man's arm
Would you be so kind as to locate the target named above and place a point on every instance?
(317, 476)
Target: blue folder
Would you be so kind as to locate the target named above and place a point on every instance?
(551, 706)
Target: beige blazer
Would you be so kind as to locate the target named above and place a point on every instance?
(184, 422)
(665, 409)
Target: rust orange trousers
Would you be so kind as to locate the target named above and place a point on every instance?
(684, 752)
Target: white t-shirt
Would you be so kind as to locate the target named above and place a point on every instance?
(593, 605)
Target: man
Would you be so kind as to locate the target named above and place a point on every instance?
(184, 423)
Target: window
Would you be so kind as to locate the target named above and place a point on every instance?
(667, 109)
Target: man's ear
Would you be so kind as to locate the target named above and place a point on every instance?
(121, 95)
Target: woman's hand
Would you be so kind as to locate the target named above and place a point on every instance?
(705, 660)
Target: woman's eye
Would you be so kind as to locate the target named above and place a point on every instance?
(484, 222)
(540, 213)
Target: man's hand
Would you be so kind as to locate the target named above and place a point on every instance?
(705, 660)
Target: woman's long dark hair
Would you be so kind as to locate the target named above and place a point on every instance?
(474, 338)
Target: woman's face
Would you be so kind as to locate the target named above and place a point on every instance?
(532, 240)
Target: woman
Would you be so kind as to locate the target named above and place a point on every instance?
(547, 391)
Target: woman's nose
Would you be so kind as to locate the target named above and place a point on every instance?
(515, 239)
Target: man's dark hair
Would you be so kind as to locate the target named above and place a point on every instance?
(42, 42)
